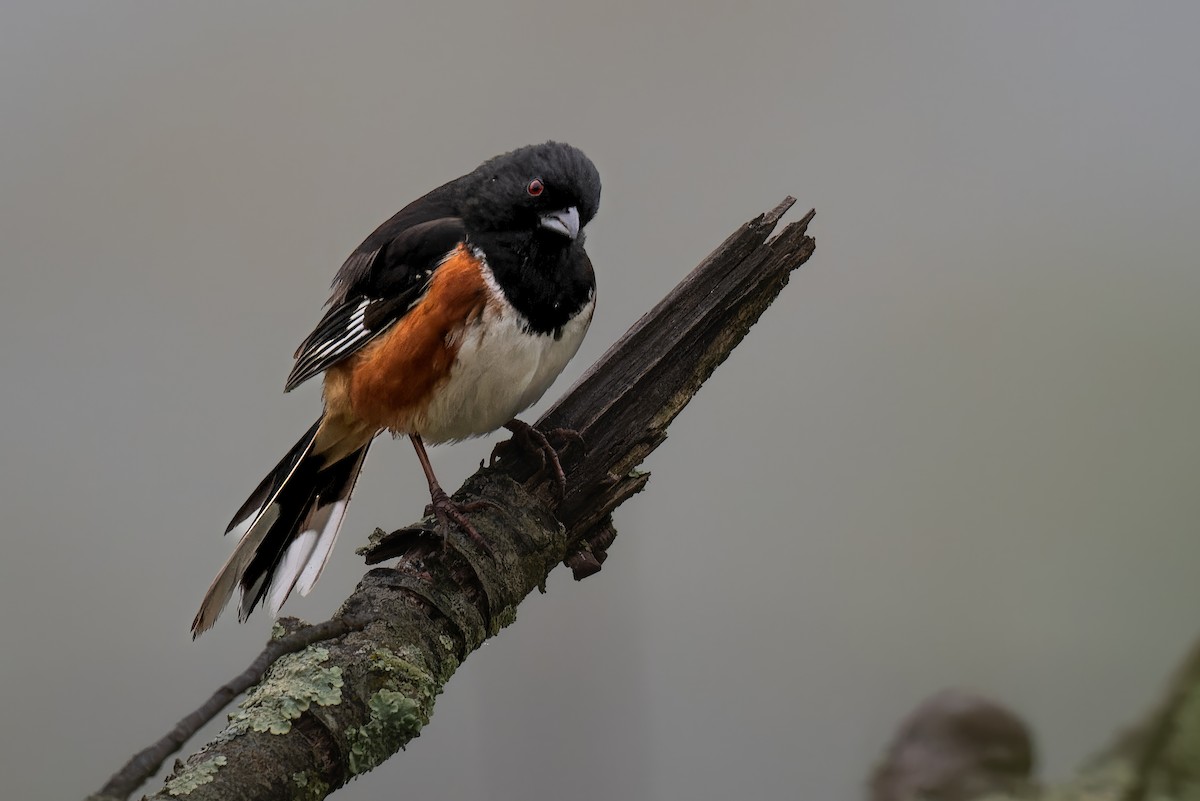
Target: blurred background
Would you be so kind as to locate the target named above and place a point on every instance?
(961, 449)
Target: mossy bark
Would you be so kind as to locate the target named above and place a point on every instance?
(1157, 760)
(342, 706)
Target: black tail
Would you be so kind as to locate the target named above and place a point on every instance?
(287, 529)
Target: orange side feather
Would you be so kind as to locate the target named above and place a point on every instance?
(389, 383)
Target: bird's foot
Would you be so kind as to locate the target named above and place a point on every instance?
(447, 512)
(531, 440)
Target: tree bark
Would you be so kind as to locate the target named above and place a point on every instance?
(342, 706)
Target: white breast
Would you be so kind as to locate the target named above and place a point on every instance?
(501, 370)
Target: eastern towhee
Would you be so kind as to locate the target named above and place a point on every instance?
(454, 316)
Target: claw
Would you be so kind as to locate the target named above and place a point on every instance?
(444, 508)
(446, 511)
(531, 440)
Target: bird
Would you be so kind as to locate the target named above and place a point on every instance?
(454, 316)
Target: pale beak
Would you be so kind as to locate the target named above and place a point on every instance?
(564, 221)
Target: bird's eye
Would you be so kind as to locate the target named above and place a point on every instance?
(535, 188)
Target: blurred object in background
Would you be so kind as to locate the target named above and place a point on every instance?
(956, 746)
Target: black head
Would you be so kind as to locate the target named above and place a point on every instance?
(551, 189)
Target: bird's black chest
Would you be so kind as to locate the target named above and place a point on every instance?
(547, 283)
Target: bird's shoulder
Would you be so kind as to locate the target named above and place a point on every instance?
(409, 242)
(380, 282)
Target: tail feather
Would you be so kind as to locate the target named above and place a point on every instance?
(269, 486)
(304, 557)
(287, 529)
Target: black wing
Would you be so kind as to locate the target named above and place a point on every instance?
(374, 289)
(403, 231)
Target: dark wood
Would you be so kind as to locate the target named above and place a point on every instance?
(344, 705)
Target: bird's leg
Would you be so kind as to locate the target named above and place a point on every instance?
(443, 507)
(531, 440)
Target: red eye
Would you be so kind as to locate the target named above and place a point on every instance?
(536, 187)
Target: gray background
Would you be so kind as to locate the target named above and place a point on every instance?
(961, 448)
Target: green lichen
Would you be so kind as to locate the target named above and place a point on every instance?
(449, 665)
(311, 785)
(1184, 751)
(395, 719)
(373, 542)
(295, 683)
(502, 619)
(387, 660)
(396, 709)
(1108, 780)
(191, 778)
(450, 662)
(1175, 772)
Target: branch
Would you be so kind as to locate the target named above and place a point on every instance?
(959, 747)
(146, 762)
(1163, 752)
(342, 706)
